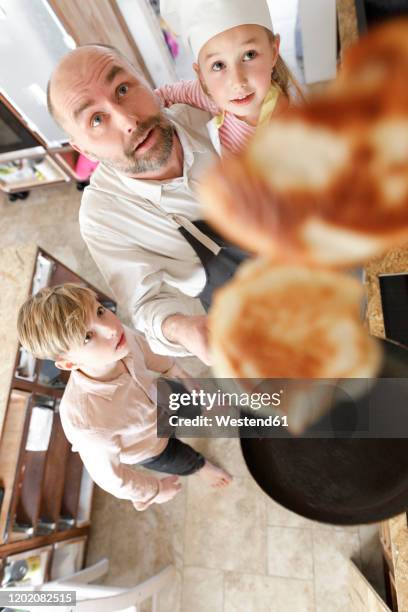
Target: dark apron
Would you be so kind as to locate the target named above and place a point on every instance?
(218, 268)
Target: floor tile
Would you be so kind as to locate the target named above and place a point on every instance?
(10, 220)
(331, 551)
(163, 539)
(290, 552)
(202, 590)
(103, 508)
(250, 593)
(52, 209)
(63, 241)
(169, 599)
(278, 515)
(226, 529)
(225, 452)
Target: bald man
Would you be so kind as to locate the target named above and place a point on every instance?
(139, 216)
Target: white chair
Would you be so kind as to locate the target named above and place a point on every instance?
(104, 598)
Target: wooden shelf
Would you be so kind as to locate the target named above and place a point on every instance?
(29, 498)
(72, 486)
(10, 445)
(54, 474)
(42, 540)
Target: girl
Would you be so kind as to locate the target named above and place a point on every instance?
(242, 80)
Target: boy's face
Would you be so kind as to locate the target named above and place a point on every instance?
(236, 68)
(104, 342)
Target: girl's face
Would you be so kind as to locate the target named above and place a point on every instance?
(235, 68)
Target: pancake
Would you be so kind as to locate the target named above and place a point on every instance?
(287, 321)
(277, 321)
(326, 183)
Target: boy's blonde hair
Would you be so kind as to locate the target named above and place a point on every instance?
(54, 320)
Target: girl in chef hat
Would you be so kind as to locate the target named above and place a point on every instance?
(242, 80)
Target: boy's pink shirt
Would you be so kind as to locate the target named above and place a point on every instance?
(113, 424)
(234, 133)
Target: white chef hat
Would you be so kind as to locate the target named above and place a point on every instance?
(196, 21)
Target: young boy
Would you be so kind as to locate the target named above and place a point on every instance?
(108, 410)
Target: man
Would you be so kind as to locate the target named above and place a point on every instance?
(139, 216)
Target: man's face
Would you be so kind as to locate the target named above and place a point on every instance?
(112, 114)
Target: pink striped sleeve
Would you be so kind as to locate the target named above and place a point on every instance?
(235, 134)
(186, 92)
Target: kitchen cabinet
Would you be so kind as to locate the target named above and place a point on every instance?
(47, 492)
(25, 162)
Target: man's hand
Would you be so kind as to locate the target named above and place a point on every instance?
(188, 381)
(189, 331)
(169, 487)
(177, 371)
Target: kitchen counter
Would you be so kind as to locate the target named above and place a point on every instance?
(16, 271)
(399, 550)
(394, 261)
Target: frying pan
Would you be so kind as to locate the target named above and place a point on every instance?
(344, 481)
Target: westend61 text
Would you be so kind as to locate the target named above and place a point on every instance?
(228, 421)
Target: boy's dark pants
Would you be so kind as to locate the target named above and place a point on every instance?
(177, 457)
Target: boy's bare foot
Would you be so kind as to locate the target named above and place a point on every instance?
(214, 476)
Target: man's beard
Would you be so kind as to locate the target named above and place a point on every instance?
(157, 155)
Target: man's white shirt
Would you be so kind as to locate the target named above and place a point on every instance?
(130, 230)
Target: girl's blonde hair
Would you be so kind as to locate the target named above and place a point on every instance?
(54, 320)
(283, 77)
